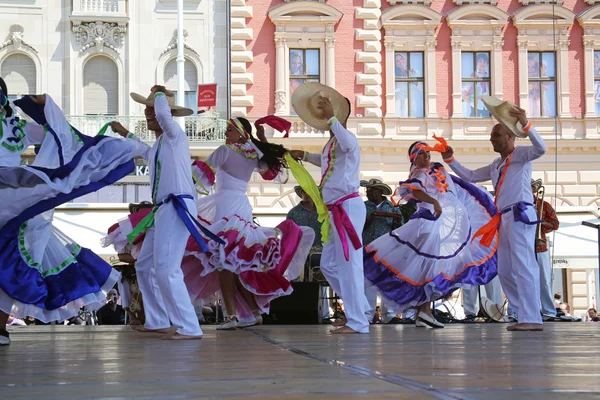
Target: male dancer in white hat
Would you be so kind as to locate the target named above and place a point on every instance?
(516, 221)
(170, 223)
(342, 258)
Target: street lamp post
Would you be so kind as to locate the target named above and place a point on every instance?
(180, 61)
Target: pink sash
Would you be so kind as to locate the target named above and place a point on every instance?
(343, 224)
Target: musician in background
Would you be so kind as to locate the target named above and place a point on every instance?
(549, 223)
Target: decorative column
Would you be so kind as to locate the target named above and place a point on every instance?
(330, 59)
(240, 57)
(370, 79)
(456, 44)
(588, 72)
(496, 62)
(281, 103)
(430, 74)
(562, 58)
(390, 97)
(523, 45)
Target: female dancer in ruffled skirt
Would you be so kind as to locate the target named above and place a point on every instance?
(432, 254)
(43, 273)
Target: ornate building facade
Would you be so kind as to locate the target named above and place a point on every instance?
(411, 69)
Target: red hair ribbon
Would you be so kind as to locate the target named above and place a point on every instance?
(277, 123)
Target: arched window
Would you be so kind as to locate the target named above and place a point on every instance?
(190, 82)
(100, 87)
(19, 73)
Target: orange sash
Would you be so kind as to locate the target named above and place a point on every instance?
(489, 230)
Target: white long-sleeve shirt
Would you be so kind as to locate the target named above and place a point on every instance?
(174, 157)
(339, 162)
(517, 182)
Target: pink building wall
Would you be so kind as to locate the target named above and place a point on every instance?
(346, 46)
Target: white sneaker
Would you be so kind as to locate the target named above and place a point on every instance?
(230, 324)
(432, 322)
(4, 338)
(258, 320)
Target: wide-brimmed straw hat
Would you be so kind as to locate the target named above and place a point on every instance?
(298, 191)
(499, 109)
(177, 111)
(494, 311)
(306, 97)
(377, 184)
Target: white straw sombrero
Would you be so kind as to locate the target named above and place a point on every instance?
(499, 109)
(149, 101)
(377, 184)
(304, 102)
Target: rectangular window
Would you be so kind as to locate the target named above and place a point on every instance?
(304, 67)
(541, 74)
(597, 82)
(409, 84)
(475, 76)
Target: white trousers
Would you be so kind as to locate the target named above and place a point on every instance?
(347, 277)
(517, 267)
(546, 296)
(470, 293)
(159, 273)
(386, 313)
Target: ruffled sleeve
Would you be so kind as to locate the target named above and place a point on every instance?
(204, 176)
(204, 172)
(279, 175)
(417, 180)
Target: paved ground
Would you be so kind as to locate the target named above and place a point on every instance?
(479, 361)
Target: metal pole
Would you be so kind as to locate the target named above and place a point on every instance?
(180, 61)
(598, 275)
(228, 52)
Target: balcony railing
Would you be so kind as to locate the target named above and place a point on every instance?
(110, 9)
(199, 129)
(102, 6)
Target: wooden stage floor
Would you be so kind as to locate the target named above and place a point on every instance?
(478, 361)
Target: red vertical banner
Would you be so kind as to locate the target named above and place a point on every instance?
(207, 95)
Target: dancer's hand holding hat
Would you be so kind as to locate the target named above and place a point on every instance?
(324, 104)
(161, 89)
(520, 114)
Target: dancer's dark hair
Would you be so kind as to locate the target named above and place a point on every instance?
(410, 149)
(272, 153)
(7, 108)
(349, 110)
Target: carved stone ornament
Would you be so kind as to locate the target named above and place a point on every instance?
(15, 38)
(589, 30)
(564, 44)
(497, 44)
(99, 34)
(588, 44)
(280, 97)
(522, 44)
(173, 44)
(389, 44)
(430, 44)
(497, 31)
(456, 45)
(430, 31)
(455, 31)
